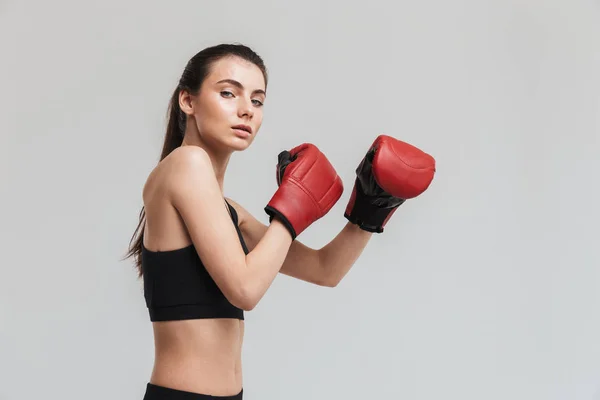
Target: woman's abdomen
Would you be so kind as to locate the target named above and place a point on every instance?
(201, 356)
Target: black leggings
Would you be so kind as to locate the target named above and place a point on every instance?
(155, 392)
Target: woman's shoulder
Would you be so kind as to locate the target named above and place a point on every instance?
(186, 156)
(176, 167)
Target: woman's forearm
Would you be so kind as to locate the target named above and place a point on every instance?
(264, 262)
(338, 256)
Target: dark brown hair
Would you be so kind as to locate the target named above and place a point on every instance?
(195, 72)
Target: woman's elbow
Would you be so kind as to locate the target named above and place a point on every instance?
(244, 299)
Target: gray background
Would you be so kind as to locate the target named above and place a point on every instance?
(486, 287)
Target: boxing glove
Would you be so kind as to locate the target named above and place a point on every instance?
(308, 187)
(390, 173)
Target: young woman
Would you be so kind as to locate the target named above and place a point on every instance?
(204, 259)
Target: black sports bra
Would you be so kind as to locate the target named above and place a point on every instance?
(177, 285)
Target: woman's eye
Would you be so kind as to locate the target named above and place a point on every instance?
(227, 93)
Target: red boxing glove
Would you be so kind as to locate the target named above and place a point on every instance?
(390, 173)
(309, 187)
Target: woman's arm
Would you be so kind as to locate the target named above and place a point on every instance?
(340, 254)
(195, 193)
(326, 266)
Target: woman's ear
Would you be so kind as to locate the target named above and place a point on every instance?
(186, 102)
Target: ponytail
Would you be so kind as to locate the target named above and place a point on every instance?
(175, 126)
(173, 140)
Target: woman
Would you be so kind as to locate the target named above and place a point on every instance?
(203, 258)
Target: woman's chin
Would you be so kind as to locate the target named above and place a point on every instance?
(238, 144)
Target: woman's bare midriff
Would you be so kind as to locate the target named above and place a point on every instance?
(200, 355)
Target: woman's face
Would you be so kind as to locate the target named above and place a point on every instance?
(228, 109)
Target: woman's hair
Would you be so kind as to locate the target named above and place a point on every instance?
(195, 72)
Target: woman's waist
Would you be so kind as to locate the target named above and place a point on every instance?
(204, 380)
(216, 374)
(199, 342)
(198, 356)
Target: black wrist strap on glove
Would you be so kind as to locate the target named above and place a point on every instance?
(370, 212)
